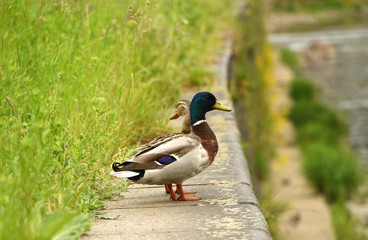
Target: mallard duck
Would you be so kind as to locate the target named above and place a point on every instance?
(179, 157)
(181, 110)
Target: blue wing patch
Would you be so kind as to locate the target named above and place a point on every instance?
(165, 160)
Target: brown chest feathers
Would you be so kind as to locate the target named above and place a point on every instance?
(209, 141)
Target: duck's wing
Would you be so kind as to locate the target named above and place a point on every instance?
(160, 154)
(156, 141)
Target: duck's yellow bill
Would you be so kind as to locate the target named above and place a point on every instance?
(221, 107)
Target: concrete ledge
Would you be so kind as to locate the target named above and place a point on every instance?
(228, 209)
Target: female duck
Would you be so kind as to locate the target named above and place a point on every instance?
(178, 157)
(181, 110)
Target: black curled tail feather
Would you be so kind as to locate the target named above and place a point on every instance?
(117, 167)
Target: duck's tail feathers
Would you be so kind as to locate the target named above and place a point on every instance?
(124, 174)
(137, 166)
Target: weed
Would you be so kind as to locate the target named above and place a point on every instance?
(344, 224)
(78, 81)
(253, 75)
(305, 112)
(289, 58)
(272, 209)
(329, 165)
(315, 132)
(249, 88)
(302, 90)
(333, 171)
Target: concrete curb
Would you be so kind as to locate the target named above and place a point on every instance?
(228, 209)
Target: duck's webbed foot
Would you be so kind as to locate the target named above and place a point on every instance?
(182, 196)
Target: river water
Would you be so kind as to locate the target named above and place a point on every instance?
(340, 69)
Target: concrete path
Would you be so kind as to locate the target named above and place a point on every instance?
(228, 209)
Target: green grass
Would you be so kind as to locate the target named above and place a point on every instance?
(272, 210)
(306, 112)
(253, 63)
(327, 163)
(80, 80)
(346, 227)
(253, 68)
(317, 132)
(333, 171)
(289, 58)
(301, 89)
(314, 120)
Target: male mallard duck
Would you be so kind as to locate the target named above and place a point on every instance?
(179, 157)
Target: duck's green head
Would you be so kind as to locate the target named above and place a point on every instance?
(204, 102)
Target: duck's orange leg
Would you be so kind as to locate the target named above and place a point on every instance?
(176, 191)
(182, 197)
(169, 188)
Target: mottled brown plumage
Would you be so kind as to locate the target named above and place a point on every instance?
(181, 110)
